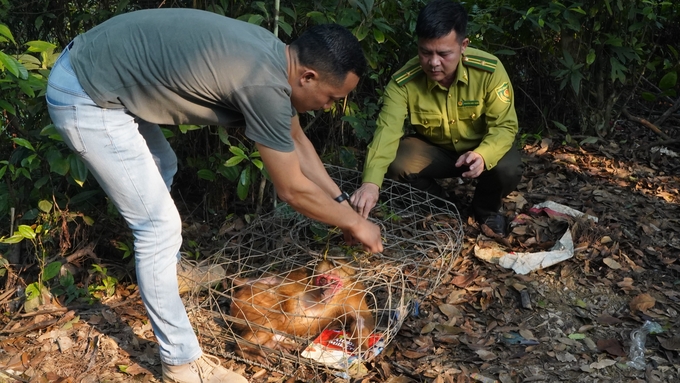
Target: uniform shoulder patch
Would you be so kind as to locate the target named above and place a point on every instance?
(503, 92)
(407, 74)
(479, 62)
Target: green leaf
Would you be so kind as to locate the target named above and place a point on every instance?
(378, 35)
(242, 190)
(40, 46)
(256, 19)
(245, 177)
(235, 150)
(258, 164)
(16, 238)
(26, 231)
(8, 107)
(167, 133)
(589, 140)
(285, 27)
(590, 58)
(4, 31)
(668, 81)
(560, 126)
(11, 64)
(647, 96)
(223, 134)
(78, 169)
(33, 291)
(186, 128)
(59, 166)
(361, 32)
(23, 142)
(231, 173)
(45, 206)
(206, 174)
(51, 270)
(618, 70)
(83, 196)
(576, 336)
(233, 161)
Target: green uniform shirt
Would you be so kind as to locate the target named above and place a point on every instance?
(476, 113)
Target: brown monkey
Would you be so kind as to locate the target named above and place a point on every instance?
(300, 303)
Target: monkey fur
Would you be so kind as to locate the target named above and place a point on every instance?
(301, 303)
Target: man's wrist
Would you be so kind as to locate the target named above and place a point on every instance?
(342, 197)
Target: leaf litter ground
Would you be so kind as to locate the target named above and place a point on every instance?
(570, 322)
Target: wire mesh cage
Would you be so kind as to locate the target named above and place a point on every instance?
(296, 299)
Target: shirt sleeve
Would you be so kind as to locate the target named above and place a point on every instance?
(389, 129)
(501, 118)
(267, 112)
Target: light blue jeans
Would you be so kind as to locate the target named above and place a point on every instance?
(134, 165)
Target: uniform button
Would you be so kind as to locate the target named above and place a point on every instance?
(425, 121)
(451, 122)
(449, 96)
(473, 115)
(456, 141)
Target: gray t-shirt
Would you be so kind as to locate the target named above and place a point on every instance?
(186, 66)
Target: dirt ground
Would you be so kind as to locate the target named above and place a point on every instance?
(570, 322)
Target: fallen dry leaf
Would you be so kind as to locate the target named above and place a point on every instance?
(672, 344)
(642, 302)
(608, 319)
(486, 355)
(602, 364)
(611, 346)
(611, 263)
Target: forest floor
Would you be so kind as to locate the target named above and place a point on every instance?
(570, 322)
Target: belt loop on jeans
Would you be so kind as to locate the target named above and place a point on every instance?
(70, 45)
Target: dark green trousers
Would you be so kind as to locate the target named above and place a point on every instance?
(419, 163)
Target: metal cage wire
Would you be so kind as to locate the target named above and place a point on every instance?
(422, 235)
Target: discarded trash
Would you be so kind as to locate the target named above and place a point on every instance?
(334, 349)
(523, 263)
(515, 338)
(638, 337)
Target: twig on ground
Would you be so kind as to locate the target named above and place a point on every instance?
(646, 123)
(668, 112)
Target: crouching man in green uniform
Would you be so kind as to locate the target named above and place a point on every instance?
(460, 102)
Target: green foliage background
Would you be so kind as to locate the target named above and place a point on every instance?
(574, 65)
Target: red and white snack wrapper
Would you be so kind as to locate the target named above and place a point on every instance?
(334, 349)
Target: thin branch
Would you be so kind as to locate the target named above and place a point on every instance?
(646, 123)
(667, 113)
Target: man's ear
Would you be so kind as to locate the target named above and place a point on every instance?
(465, 44)
(309, 75)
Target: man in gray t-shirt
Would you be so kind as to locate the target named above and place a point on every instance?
(114, 84)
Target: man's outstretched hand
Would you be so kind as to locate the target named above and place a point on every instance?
(365, 198)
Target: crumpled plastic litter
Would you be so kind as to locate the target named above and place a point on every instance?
(638, 337)
(524, 263)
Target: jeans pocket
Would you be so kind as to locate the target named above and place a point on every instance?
(65, 119)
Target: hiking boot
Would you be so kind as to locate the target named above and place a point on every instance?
(193, 276)
(495, 222)
(206, 369)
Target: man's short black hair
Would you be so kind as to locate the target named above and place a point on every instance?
(439, 17)
(330, 49)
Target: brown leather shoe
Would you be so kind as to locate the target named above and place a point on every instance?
(206, 369)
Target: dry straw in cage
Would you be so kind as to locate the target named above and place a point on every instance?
(297, 300)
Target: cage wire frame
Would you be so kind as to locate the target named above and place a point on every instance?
(422, 236)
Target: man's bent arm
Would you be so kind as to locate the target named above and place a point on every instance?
(310, 163)
(308, 198)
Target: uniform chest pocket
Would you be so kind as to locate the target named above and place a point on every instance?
(428, 124)
(472, 122)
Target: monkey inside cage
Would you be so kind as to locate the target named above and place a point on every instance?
(299, 301)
